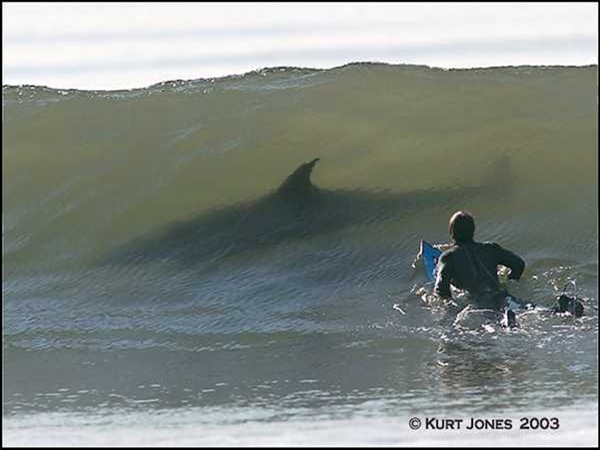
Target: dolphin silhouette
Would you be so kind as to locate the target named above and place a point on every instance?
(296, 210)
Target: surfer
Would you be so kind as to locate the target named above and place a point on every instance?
(472, 266)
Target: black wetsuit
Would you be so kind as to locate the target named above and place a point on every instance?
(473, 266)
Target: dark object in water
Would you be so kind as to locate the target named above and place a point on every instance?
(296, 211)
(565, 304)
(510, 319)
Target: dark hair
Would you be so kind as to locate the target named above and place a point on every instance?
(461, 226)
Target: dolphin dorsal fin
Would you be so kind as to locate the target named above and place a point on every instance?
(298, 183)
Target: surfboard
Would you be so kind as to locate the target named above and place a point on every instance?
(430, 256)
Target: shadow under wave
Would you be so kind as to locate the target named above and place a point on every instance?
(296, 211)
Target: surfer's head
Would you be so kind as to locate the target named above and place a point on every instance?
(461, 227)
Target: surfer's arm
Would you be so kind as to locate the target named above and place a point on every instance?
(442, 279)
(510, 260)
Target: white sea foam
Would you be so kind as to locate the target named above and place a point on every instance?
(257, 427)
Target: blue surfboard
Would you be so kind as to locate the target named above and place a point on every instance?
(430, 256)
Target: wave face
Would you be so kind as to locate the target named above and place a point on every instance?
(149, 261)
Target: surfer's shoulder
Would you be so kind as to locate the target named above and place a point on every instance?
(491, 245)
(448, 253)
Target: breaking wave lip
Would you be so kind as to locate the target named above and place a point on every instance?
(180, 84)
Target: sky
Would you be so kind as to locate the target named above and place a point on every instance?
(132, 45)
